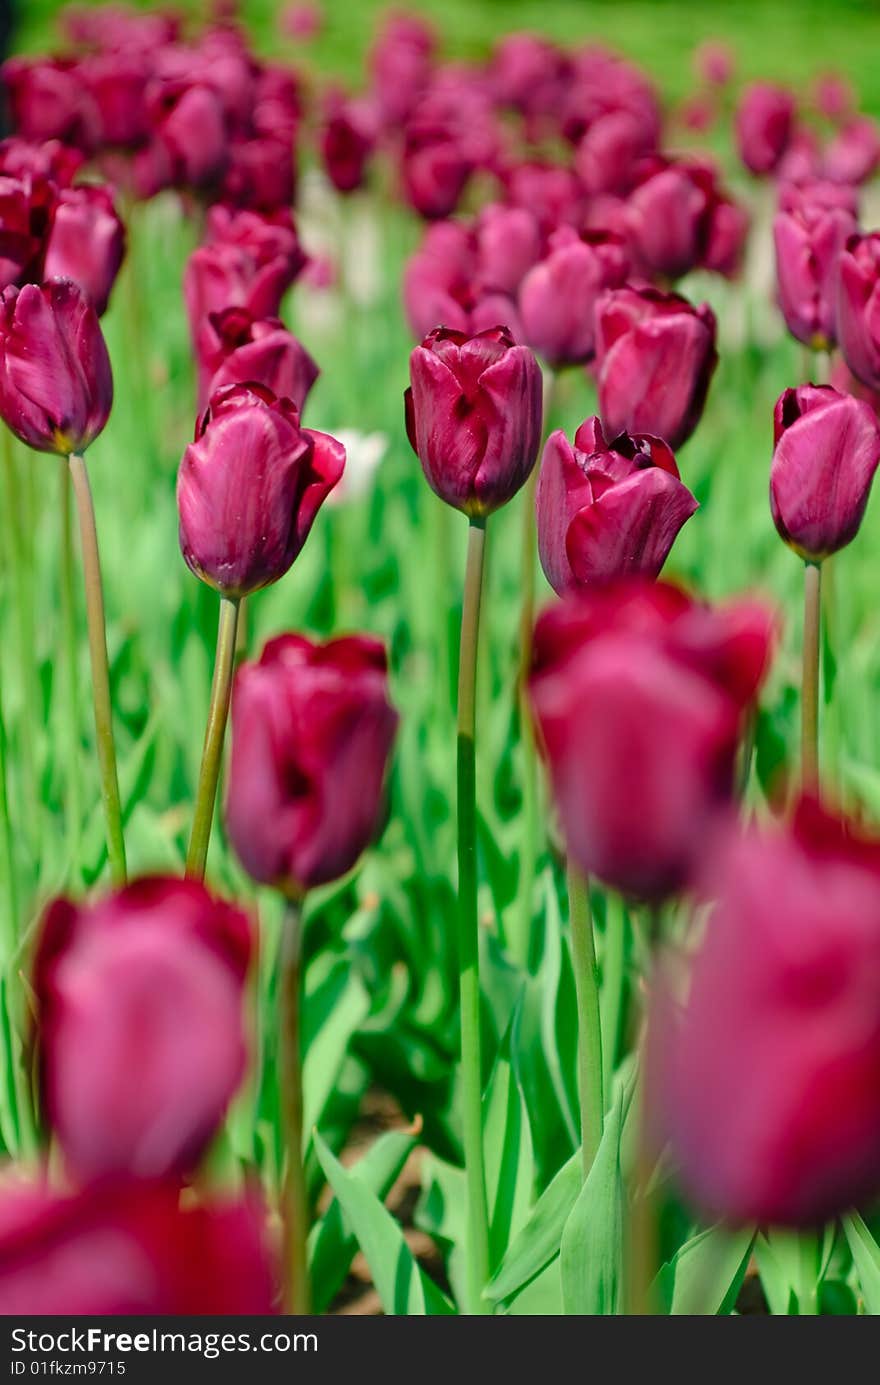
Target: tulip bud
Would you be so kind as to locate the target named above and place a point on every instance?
(827, 446)
(608, 156)
(112, 981)
(473, 416)
(765, 1083)
(235, 348)
(130, 1248)
(189, 123)
(858, 327)
(249, 261)
(56, 387)
(639, 694)
(655, 357)
(853, 155)
(434, 170)
(764, 126)
(508, 243)
(86, 242)
(558, 296)
(348, 138)
(808, 245)
(249, 488)
(312, 730)
(607, 510)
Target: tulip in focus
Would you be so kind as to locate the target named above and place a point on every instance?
(558, 296)
(766, 1083)
(236, 347)
(249, 488)
(607, 510)
(312, 731)
(473, 416)
(639, 695)
(86, 242)
(827, 447)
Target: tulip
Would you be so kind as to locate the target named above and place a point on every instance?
(348, 138)
(52, 160)
(400, 67)
(473, 416)
(112, 982)
(260, 174)
(808, 246)
(607, 510)
(86, 242)
(726, 237)
(27, 204)
(434, 169)
(552, 193)
(235, 348)
(818, 195)
(56, 388)
(853, 156)
(655, 357)
(507, 244)
(312, 730)
(714, 63)
(48, 100)
(528, 72)
(117, 83)
(680, 219)
(608, 157)
(766, 1082)
(858, 308)
(558, 296)
(834, 96)
(278, 102)
(639, 696)
(249, 261)
(601, 83)
(188, 120)
(764, 126)
(130, 1249)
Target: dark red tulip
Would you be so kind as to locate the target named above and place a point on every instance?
(236, 348)
(112, 982)
(680, 218)
(558, 296)
(49, 100)
(249, 261)
(312, 731)
(766, 1080)
(52, 160)
(56, 387)
(853, 156)
(434, 169)
(608, 157)
(714, 63)
(639, 694)
(607, 510)
(764, 126)
(130, 1248)
(400, 67)
(827, 446)
(808, 246)
(348, 138)
(552, 193)
(117, 82)
(858, 307)
(27, 206)
(86, 242)
(189, 123)
(473, 416)
(260, 174)
(249, 488)
(655, 357)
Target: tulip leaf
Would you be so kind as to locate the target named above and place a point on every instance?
(866, 1258)
(509, 1163)
(335, 1008)
(542, 1297)
(538, 1242)
(591, 1252)
(705, 1275)
(401, 1284)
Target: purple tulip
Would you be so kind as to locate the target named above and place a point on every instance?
(249, 261)
(249, 488)
(655, 356)
(260, 174)
(117, 82)
(858, 308)
(189, 124)
(56, 387)
(764, 126)
(48, 100)
(680, 218)
(236, 348)
(508, 243)
(608, 157)
(312, 731)
(853, 155)
(348, 138)
(552, 193)
(86, 242)
(607, 510)
(558, 296)
(827, 447)
(27, 205)
(434, 169)
(473, 416)
(808, 245)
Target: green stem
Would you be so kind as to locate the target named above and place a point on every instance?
(810, 688)
(586, 980)
(10, 990)
(295, 1210)
(100, 667)
(25, 637)
(215, 733)
(614, 980)
(70, 710)
(468, 926)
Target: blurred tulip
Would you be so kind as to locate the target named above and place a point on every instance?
(655, 357)
(348, 138)
(27, 206)
(236, 348)
(189, 124)
(607, 158)
(528, 71)
(302, 21)
(50, 159)
(714, 63)
(764, 126)
(858, 308)
(260, 174)
(112, 982)
(86, 242)
(249, 488)
(400, 67)
(602, 82)
(834, 96)
(808, 245)
(56, 387)
(558, 296)
(765, 1083)
(827, 447)
(853, 156)
(278, 102)
(249, 261)
(434, 170)
(726, 237)
(312, 731)
(117, 82)
(680, 218)
(639, 694)
(130, 1248)
(552, 193)
(607, 510)
(507, 244)
(473, 416)
(811, 195)
(48, 100)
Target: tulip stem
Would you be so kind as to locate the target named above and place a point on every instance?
(100, 667)
(295, 1202)
(215, 734)
(586, 980)
(810, 688)
(70, 695)
(468, 925)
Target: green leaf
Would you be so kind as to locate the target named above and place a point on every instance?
(591, 1252)
(335, 1010)
(538, 1242)
(542, 1297)
(866, 1258)
(510, 1172)
(704, 1276)
(400, 1282)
